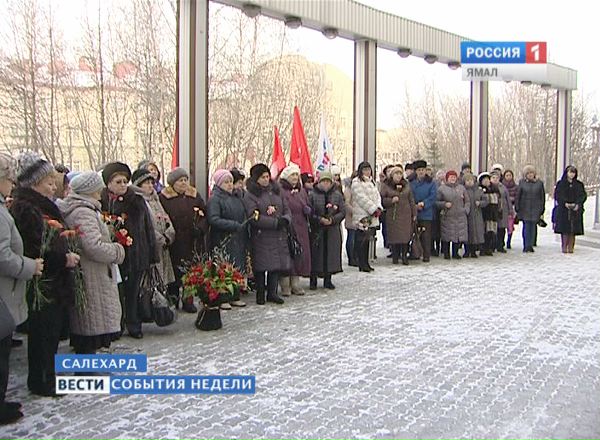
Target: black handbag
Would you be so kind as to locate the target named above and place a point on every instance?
(294, 245)
(153, 305)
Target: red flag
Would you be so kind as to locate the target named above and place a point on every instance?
(175, 158)
(278, 162)
(299, 150)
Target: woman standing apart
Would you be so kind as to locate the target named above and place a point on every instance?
(400, 213)
(98, 323)
(530, 206)
(569, 197)
(366, 210)
(121, 200)
(34, 211)
(297, 199)
(15, 270)
(226, 216)
(187, 211)
(268, 233)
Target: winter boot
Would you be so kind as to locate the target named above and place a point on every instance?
(404, 254)
(313, 282)
(446, 250)
(455, 248)
(296, 289)
(395, 253)
(327, 282)
(272, 293)
(286, 289)
(508, 239)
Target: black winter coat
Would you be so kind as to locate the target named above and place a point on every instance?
(530, 202)
(326, 241)
(138, 222)
(492, 212)
(226, 214)
(28, 209)
(569, 221)
(268, 239)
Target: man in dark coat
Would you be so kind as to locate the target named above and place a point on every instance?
(268, 237)
(326, 235)
(567, 216)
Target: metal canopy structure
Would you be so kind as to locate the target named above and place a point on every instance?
(369, 28)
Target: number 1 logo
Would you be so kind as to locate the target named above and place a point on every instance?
(535, 52)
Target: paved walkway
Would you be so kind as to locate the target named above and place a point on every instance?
(504, 346)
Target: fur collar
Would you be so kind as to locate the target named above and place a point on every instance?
(288, 186)
(33, 197)
(257, 190)
(170, 193)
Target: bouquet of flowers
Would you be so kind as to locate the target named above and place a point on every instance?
(214, 281)
(51, 229)
(117, 230)
(73, 237)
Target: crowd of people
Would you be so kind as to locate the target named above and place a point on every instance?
(455, 215)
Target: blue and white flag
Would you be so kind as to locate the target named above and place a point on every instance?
(324, 151)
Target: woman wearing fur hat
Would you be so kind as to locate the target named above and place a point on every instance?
(187, 211)
(530, 205)
(297, 200)
(154, 171)
(33, 209)
(477, 201)
(99, 322)
(567, 217)
(366, 210)
(123, 201)
(328, 211)
(400, 212)
(226, 215)
(491, 213)
(453, 202)
(511, 187)
(271, 217)
(163, 226)
(15, 270)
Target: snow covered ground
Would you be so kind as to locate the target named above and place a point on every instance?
(498, 347)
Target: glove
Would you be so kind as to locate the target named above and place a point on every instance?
(307, 210)
(377, 213)
(282, 222)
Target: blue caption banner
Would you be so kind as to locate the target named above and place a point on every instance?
(498, 52)
(100, 363)
(182, 384)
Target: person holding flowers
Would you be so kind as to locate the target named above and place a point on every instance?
(49, 296)
(271, 217)
(228, 233)
(136, 232)
(328, 211)
(15, 270)
(401, 212)
(97, 322)
(187, 210)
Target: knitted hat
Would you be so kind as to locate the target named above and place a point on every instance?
(140, 176)
(32, 169)
(87, 182)
(336, 170)
(465, 165)
(419, 164)
(115, 168)
(292, 168)
(409, 166)
(528, 169)
(176, 174)
(498, 166)
(73, 174)
(451, 173)
(307, 177)
(482, 176)
(258, 170)
(325, 175)
(221, 176)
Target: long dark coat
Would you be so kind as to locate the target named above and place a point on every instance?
(398, 216)
(475, 217)
(28, 208)
(226, 215)
(268, 243)
(453, 220)
(326, 241)
(531, 200)
(138, 222)
(188, 213)
(297, 200)
(568, 221)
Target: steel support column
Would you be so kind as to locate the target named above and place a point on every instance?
(478, 139)
(193, 91)
(365, 101)
(563, 131)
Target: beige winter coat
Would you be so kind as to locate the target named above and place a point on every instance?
(102, 313)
